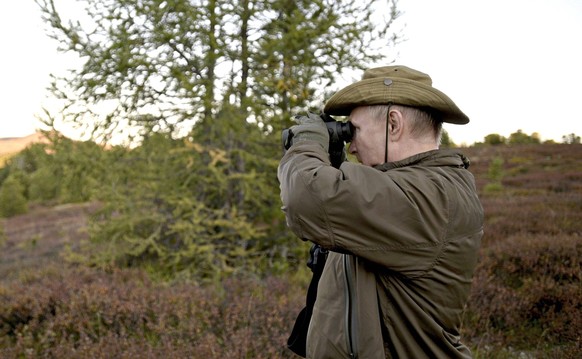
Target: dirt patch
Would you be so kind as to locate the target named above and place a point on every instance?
(38, 237)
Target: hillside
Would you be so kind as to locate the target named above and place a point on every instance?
(12, 145)
(17, 144)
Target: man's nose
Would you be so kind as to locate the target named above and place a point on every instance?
(352, 148)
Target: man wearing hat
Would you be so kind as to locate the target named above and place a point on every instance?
(402, 228)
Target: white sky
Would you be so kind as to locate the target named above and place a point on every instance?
(508, 64)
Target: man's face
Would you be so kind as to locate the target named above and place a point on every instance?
(369, 141)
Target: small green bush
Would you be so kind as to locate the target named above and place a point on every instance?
(493, 188)
(12, 198)
(44, 185)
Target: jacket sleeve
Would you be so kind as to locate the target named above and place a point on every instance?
(396, 219)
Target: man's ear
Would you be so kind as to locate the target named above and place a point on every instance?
(395, 125)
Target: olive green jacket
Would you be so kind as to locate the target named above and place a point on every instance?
(404, 240)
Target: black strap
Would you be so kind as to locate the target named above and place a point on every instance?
(298, 338)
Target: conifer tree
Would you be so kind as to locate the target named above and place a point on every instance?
(168, 65)
(205, 88)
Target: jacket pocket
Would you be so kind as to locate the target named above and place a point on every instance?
(346, 316)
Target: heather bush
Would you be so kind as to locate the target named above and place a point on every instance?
(85, 313)
(529, 286)
(553, 214)
(526, 297)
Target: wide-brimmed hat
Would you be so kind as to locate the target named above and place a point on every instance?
(399, 85)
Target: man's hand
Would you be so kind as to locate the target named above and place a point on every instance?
(311, 128)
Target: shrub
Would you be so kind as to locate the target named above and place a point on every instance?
(68, 312)
(528, 287)
(12, 198)
(44, 185)
(186, 210)
(526, 297)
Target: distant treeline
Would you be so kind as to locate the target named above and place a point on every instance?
(521, 138)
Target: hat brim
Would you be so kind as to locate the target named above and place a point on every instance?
(398, 91)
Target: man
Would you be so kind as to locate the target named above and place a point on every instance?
(403, 228)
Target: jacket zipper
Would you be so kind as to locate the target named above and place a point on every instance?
(351, 316)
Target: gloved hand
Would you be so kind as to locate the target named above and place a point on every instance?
(311, 128)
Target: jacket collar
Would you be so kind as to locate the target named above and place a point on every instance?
(434, 158)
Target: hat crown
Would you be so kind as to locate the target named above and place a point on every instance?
(398, 85)
(402, 72)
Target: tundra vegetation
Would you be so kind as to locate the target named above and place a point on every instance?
(121, 254)
(173, 244)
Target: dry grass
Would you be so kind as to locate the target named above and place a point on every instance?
(37, 238)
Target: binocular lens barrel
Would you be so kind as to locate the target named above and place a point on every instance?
(339, 132)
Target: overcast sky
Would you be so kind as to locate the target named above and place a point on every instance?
(508, 64)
